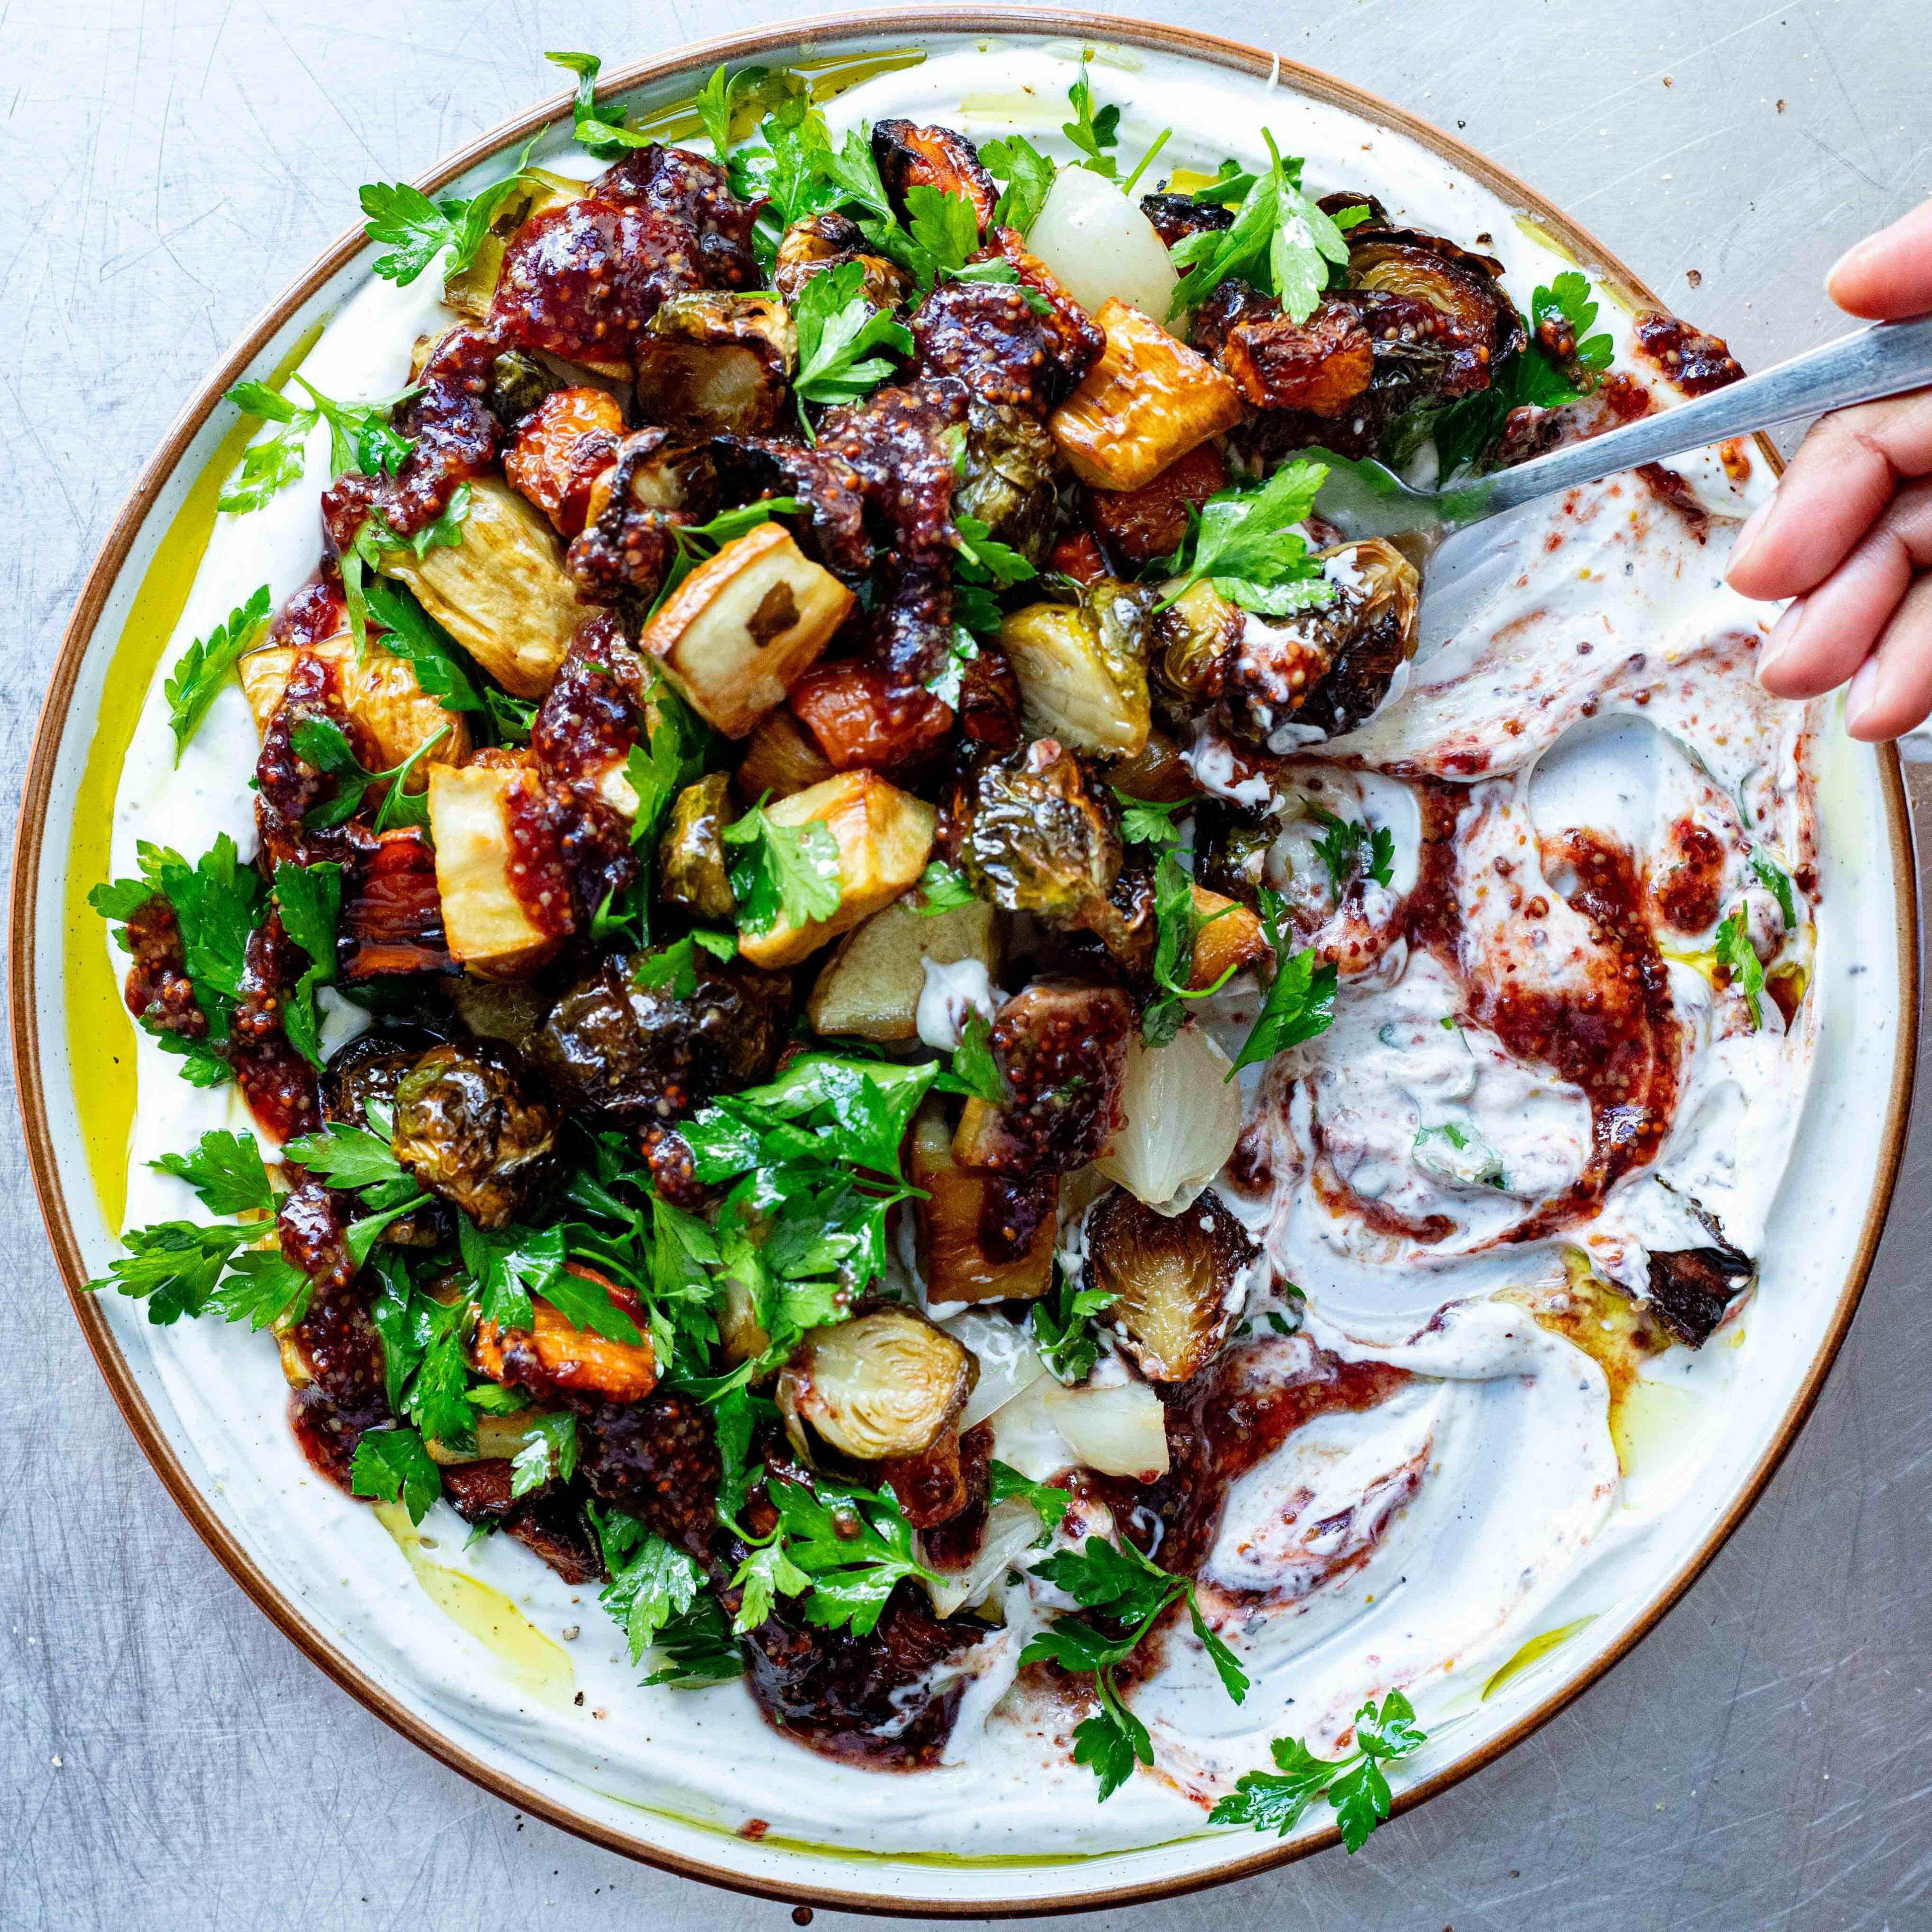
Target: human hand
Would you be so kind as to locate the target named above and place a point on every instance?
(1848, 535)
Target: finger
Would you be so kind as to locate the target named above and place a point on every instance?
(1823, 638)
(1844, 474)
(1893, 690)
(1889, 274)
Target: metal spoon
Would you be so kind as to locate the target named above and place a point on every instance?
(1369, 500)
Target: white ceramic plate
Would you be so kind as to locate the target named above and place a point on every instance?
(494, 1697)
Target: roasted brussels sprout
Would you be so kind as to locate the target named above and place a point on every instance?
(1082, 667)
(982, 1236)
(781, 757)
(1061, 1047)
(518, 383)
(692, 868)
(1156, 772)
(624, 551)
(1007, 481)
(371, 1066)
(1231, 849)
(1192, 637)
(1140, 526)
(817, 242)
(1327, 669)
(632, 1054)
(473, 1126)
(511, 1010)
(1177, 1279)
(887, 1383)
(1435, 313)
(1146, 402)
(1033, 832)
(713, 364)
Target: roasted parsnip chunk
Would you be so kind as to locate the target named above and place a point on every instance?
(1080, 680)
(886, 1383)
(743, 627)
(1148, 400)
(871, 986)
(380, 692)
(884, 837)
(502, 593)
(1177, 1278)
(982, 1236)
(1232, 938)
(713, 364)
(485, 921)
(551, 1351)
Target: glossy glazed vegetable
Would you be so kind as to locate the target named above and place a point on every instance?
(379, 690)
(692, 867)
(1032, 832)
(567, 443)
(487, 920)
(816, 242)
(745, 626)
(551, 1355)
(1007, 479)
(630, 1053)
(1147, 402)
(713, 364)
(982, 1236)
(472, 1125)
(781, 757)
(470, 292)
(1179, 1279)
(886, 1383)
(1101, 245)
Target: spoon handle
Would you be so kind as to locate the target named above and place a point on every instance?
(1886, 359)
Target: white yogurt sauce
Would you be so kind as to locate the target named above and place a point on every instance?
(1418, 1544)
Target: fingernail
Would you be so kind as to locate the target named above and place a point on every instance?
(1753, 528)
(1861, 694)
(1779, 641)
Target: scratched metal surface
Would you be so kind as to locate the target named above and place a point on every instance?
(166, 1759)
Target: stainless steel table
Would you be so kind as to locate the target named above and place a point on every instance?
(167, 1760)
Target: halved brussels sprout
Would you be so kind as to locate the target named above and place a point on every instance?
(716, 364)
(1192, 637)
(632, 1054)
(1177, 1278)
(1007, 481)
(1230, 851)
(1032, 832)
(887, 1383)
(1466, 324)
(1081, 668)
(473, 1126)
(692, 867)
(1148, 401)
(817, 242)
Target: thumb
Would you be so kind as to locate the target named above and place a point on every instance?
(1887, 275)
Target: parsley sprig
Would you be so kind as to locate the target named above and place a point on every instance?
(1348, 849)
(1178, 924)
(417, 229)
(788, 871)
(362, 435)
(1738, 958)
(657, 1596)
(309, 898)
(1124, 1594)
(1300, 1002)
(208, 664)
(838, 330)
(1061, 1324)
(321, 742)
(1249, 545)
(1280, 240)
(843, 1550)
(1029, 176)
(1355, 1784)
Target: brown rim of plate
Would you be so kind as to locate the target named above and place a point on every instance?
(809, 36)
